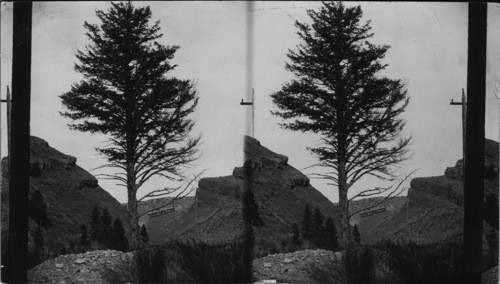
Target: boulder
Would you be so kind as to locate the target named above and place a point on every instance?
(456, 172)
(71, 160)
(89, 182)
(238, 172)
(269, 162)
(252, 165)
(36, 168)
(301, 181)
(282, 159)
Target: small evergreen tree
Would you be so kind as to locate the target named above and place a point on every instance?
(38, 238)
(306, 223)
(120, 242)
(296, 235)
(356, 235)
(38, 210)
(144, 235)
(253, 208)
(331, 240)
(84, 238)
(95, 221)
(317, 228)
(105, 228)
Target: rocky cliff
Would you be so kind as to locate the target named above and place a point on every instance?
(434, 208)
(69, 191)
(281, 191)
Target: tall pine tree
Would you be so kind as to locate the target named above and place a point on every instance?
(339, 95)
(126, 94)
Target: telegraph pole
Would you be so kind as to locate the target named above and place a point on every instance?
(20, 151)
(463, 103)
(252, 103)
(474, 145)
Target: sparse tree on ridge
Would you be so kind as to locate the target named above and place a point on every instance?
(126, 94)
(338, 94)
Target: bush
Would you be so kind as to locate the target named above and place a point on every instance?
(187, 262)
(402, 262)
(218, 263)
(430, 263)
(150, 263)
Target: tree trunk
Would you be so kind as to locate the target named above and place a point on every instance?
(345, 234)
(132, 207)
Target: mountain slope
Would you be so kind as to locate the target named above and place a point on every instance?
(69, 191)
(215, 216)
(434, 209)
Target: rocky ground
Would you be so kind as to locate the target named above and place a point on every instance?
(305, 266)
(90, 267)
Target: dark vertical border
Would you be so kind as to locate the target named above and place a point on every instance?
(20, 152)
(474, 144)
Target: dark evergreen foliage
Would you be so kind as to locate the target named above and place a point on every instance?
(38, 210)
(331, 241)
(105, 228)
(84, 238)
(306, 223)
(252, 209)
(338, 94)
(144, 235)
(356, 235)
(126, 93)
(95, 221)
(491, 211)
(119, 242)
(38, 238)
(296, 241)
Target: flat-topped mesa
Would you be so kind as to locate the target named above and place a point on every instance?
(450, 187)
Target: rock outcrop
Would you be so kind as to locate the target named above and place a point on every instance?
(281, 191)
(91, 267)
(296, 267)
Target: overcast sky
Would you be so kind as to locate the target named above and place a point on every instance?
(428, 50)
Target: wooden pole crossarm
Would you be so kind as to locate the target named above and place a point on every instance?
(245, 103)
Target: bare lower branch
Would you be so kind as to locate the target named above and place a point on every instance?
(391, 195)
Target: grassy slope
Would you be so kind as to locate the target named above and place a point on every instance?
(68, 205)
